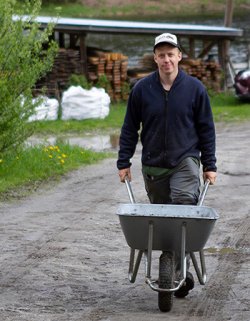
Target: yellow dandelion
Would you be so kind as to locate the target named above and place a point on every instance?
(50, 156)
(51, 147)
(62, 161)
(1, 161)
(59, 157)
(64, 155)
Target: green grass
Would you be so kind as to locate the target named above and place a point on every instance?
(34, 165)
(228, 108)
(112, 122)
(145, 10)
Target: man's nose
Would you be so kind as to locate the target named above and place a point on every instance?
(166, 58)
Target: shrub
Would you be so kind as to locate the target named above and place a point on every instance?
(26, 54)
(79, 80)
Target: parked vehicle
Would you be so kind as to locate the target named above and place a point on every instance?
(242, 84)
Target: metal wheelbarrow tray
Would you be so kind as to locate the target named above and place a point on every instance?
(167, 221)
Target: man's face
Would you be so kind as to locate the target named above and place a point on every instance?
(167, 58)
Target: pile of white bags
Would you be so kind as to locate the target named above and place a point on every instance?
(78, 103)
(47, 110)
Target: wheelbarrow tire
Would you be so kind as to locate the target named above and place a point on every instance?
(166, 281)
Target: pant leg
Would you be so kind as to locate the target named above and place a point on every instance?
(185, 182)
(185, 189)
(179, 187)
(158, 189)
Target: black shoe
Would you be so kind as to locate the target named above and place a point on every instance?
(186, 287)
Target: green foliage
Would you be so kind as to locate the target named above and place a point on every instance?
(79, 80)
(26, 54)
(125, 90)
(103, 82)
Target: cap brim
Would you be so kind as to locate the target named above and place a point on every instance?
(168, 43)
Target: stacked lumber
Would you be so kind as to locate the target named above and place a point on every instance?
(209, 72)
(67, 62)
(113, 66)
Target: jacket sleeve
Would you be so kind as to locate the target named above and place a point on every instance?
(206, 132)
(129, 132)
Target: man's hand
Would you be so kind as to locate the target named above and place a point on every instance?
(211, 176)
(123, 173)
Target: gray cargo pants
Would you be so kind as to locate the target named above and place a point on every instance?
(181, 186)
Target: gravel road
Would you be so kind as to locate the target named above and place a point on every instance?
(64, 256)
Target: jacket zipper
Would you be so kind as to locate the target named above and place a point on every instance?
(166, 93)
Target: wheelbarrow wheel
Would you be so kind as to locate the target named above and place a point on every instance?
(166, 280)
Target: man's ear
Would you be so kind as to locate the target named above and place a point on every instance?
(155, 58)
(180, 55)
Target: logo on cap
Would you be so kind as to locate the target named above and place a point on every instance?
(168, 38)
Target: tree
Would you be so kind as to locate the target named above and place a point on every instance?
(26, 54)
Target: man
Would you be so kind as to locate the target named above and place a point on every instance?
(173, 111)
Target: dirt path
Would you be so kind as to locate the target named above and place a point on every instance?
(64, 257)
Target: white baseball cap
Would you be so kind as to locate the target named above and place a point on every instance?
(167, 38)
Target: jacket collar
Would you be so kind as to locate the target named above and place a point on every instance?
(179, 77)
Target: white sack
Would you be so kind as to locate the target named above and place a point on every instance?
(47, 110)
(78, 103)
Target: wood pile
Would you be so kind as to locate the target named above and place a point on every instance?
(99, 63)
(114, 67)
(209, 72)
(66, 63)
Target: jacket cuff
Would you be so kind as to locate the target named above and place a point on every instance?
(210, 169)
(122, 165)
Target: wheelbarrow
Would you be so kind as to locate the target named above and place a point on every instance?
(177, 231)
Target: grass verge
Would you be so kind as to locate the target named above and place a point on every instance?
(228, 108)
(112, 122)
(23, 172)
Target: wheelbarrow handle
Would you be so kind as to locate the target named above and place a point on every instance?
(203, 192)
(130, 192)
(200, 201)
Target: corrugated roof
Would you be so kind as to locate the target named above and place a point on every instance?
(131, 27)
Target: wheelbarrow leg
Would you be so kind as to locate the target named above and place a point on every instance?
(148, 253)
(183, 252)
(133, 269)
(202, 277)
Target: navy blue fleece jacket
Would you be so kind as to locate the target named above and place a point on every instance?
(174, 125)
